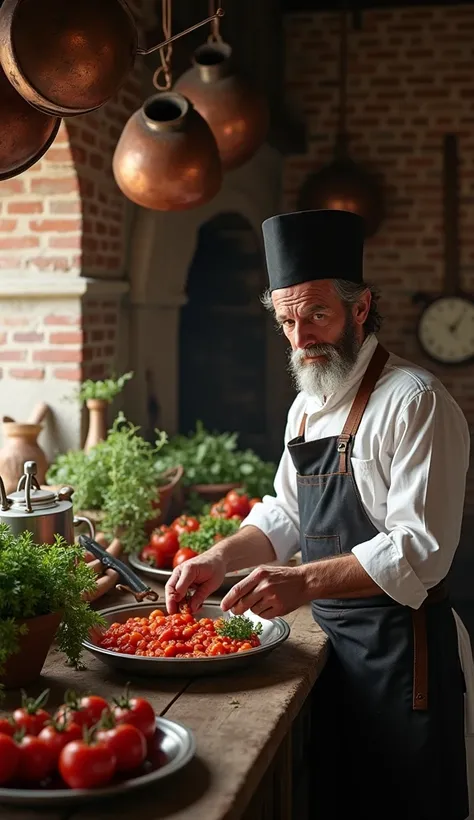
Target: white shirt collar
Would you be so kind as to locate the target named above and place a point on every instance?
(314, 405)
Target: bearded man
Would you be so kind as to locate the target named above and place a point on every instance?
(371, 488)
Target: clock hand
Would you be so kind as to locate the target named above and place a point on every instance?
(454, 326)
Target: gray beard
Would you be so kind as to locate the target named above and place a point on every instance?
(322, 378)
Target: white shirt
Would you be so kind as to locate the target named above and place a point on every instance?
(409, 459)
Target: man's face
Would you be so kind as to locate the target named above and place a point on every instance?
(325, 335)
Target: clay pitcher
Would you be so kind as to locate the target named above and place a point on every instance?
(97, 422)
(20, 445)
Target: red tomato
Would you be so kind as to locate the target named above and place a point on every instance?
(238, 502)
(85, 711)
(254, 501)
(84, 765)
(31, 716)
(126, 743)
(137, 712)
(184, 523)
(58, 735)
(221, 509)
(166, 539)
(149, 555)
(7, 727)
(183, 554)
(9, 758)
(36, 759)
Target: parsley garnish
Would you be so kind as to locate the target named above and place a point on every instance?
(239, 627)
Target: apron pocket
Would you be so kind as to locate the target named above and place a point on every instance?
(321, 546)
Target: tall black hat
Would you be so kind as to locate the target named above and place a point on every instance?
(308, 245)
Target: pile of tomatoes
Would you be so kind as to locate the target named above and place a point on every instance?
(164, 550)
(173, 636)
(84, 744)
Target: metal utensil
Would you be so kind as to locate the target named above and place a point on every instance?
(274, 633)
(176, 741)
(132, 583)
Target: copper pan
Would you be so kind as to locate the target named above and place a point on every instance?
(25, 133)
(69, 57)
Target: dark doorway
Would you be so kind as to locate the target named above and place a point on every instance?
(223, 334)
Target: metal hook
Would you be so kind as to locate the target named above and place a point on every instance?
(146, 51)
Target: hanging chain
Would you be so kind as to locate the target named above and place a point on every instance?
(162, 78)
(215, 35)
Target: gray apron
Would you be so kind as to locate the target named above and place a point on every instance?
(388, 717)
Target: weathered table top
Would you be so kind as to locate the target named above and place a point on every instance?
(238, 720)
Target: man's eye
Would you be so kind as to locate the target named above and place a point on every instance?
(288, 322)
(319, 316)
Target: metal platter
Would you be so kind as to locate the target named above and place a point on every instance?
(274, 633)
(173, 741)
(163, 575)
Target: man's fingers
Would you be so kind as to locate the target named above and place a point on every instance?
(257, 596)
(238, 591)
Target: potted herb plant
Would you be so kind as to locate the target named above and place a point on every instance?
(117, 482)
(213, 465)
(97, 395)
(42, 590)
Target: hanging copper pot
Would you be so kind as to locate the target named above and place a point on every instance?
(345, 186)
(25, 133)
(236, 113)
(67, 57)
(166, 158)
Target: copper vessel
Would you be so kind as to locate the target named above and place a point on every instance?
(25, 133)
(236, 113)
(166, 158)
(345, 186)
(65, 57)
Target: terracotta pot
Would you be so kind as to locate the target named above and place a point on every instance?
(237, 114)
(212, 492)
(25, 133)
(97, 422)
(166, 158)
(165, 498)
(21, 445)
(25, 666)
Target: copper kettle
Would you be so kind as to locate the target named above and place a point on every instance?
(236, 112)
(166, 158)
(25, 133)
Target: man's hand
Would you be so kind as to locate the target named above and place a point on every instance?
(268, 592)
(204, 574)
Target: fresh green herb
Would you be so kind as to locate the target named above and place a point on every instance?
(210, 530)
(214, 458)
(119, 477)
(106, 390)
(239, 627)
(38, 580)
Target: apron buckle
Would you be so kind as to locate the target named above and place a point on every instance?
(342, 448)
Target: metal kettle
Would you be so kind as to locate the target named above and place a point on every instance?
(44, 513)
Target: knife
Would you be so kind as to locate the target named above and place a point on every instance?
(132, 583)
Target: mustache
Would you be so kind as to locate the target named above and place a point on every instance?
(314, 350)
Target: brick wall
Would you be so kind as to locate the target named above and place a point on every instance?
(411, 80)
(67, 217)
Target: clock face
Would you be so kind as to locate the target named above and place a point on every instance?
(446, 330)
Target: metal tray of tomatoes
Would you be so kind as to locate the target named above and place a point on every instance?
(163, 575)
(174, 746)
(274, 633)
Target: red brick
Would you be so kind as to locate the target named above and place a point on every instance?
(13, 186)
(12, 355)
(25, 207)
(3, 338)
(28, 337)
(45, 185)
(14, 243)
(56, 225)
(65, 242)
(73, 374)
(57, 154)
(8, 225)
(65, 207)
(27, 373)
(58, 356)
(61, 263)
(71, 338)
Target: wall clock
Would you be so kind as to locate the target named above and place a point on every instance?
(446, 325)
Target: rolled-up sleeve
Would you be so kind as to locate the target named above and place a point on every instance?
(277, 516)
(424, 502)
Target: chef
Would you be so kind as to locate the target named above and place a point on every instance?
(371, 488)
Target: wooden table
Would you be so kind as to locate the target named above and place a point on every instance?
(247, 727)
